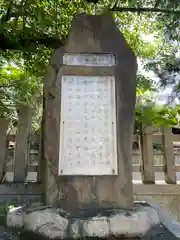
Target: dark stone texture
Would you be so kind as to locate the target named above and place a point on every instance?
(91, 34)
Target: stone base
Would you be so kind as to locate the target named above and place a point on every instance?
(143, 221)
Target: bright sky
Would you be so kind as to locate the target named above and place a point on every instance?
(162, 96)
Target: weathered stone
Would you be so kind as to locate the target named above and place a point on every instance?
(3, 132)
(15, 217)
(96, 226)
(8, 234)
(38, 219)
(136, 223)
(91, 34)
(47, 223)
(75, 228)
(172, 225)
(144, 220)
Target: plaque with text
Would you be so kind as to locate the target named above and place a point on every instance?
(105, 60)
(88, 126)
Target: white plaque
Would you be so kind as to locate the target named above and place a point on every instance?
(88, 126)
(105, 60)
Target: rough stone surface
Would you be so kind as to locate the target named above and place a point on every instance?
(15, 217)
(136, 223)
(7, 234)
(75, 228)
(172, 225)
(144, 221)
(96, 226)
(38, 219)
(91, 34)
(46, 222)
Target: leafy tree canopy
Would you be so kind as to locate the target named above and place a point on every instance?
(31, 29)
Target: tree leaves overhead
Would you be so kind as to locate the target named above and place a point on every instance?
(157, 115)
(33, 22)
(31, 29)
(36, 27)
(19, 86)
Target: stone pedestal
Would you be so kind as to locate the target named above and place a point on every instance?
(89, 35)
(143, 221)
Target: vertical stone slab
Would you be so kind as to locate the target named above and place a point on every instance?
(148, 173)
(91, 35)
(170, 174)
(3, 148)
(22, 143)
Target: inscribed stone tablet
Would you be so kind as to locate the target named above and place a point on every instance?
(88, 126)
(106, 60)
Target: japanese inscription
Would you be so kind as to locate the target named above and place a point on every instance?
(88, 126)
(89, 60)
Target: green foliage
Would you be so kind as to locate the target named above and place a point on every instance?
(17, 87)
(30, 30)
(146, 38)
(144, 84)
(159, 116)
(147, 109)
(23, 88)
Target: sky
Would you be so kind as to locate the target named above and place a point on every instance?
(162, 96)
(164, 93)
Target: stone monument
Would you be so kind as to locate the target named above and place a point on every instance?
(89, 100)
(90, 92)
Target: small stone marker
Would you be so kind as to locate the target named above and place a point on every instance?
(90, 91)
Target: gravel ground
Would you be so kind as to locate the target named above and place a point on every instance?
(6, 234)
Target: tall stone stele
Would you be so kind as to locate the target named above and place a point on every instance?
(89, 103)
